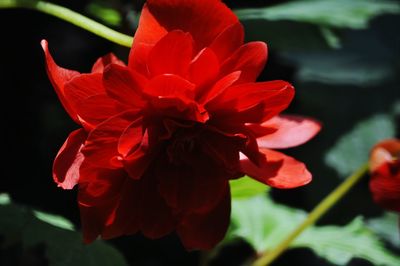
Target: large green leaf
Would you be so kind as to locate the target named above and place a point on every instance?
(21, 225)
(353, 14)
(246, 187)
(263, 224)
(353, 148)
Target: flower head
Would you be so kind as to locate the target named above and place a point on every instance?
(385, 174)
(162, 136)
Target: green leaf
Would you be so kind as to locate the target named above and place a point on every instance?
(246, 187)
(55, 220)
(22, 225)
(264, 224)
(352, 149)
(354, 14)
(387, 227)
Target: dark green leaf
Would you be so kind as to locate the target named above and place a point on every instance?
(354, 14)
(19, 224)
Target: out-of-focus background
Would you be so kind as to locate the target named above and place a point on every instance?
(343, 58)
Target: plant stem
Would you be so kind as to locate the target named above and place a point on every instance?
(72, 17)
(313, 216)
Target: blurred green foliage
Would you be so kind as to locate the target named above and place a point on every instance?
(20, 225)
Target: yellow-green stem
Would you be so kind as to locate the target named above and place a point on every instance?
(72, 17)
(329, 201)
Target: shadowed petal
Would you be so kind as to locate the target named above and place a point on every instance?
(69, 159)
(278, 170)
(104, 61)
(203, 230)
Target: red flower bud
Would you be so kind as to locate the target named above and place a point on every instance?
(385, 174)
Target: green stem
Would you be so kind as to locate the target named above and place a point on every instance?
(329, 201)
(72, 17)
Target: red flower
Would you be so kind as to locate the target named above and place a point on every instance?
(161, 137)
(385, 174)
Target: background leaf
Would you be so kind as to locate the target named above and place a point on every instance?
(263, 224)
(246, 187)
(387, 227)
(353, 148)
(354, 14)
(21, 225)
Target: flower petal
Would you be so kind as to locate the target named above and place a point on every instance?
(277, 170)
(228, 41)
(59, 77)
(96, 109)
(104, 61)
(171, 55)
(204, 20)
(204, 68)
(69, 159)
(124, 85)
(249, 58)
(291, 131)
(203, 230)
(252, 102)
(101, 147)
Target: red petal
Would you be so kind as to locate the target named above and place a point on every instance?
(219, 87)
(58, 77)
(204, 68)
(69, 159)
(138, 58)
(249, 58)
(291, 131)
(96, 109)
(228, 41)
(83, 86)
(170, 86)
(104, 61)
(278, 170)
(253, 102)
(101, 147)
(124, 85)
(171, 55)
(204, 20)
(204, 230)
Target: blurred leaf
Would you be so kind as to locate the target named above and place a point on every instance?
(19, 224)
(55, 220)
(4, 199)
(354, 14)
(246, 187)
(352, 149)
(104, 13)
(341, 68)
(387, 227)
(331, 38)
(263, 224)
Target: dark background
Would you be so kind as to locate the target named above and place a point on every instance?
(34, 124)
